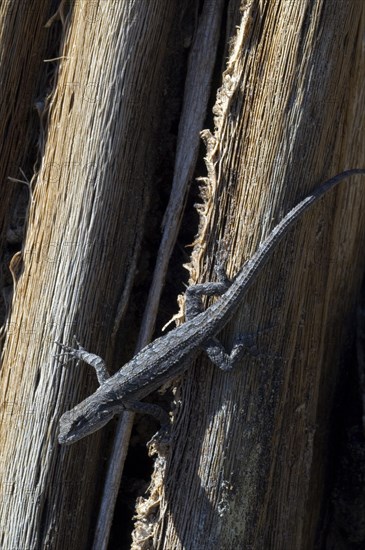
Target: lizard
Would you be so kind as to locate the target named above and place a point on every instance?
(169, 355)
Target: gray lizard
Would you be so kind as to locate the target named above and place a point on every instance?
(168, 356)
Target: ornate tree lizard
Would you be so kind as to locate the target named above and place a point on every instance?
(168, 356)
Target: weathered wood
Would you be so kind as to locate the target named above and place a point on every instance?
(249, 451)
(84, 232)
(24, 44)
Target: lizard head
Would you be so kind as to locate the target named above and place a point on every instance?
(84, 419)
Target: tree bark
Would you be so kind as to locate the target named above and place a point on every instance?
(248, 463)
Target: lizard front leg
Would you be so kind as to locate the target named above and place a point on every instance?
(148, 408)
(91, 359)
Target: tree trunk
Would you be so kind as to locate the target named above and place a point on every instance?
(248, 464)
(84, 232)
(249, 455)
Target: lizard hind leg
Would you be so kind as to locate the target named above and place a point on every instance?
(81, 354)
(227, 361)
(194, 293)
